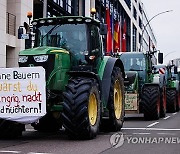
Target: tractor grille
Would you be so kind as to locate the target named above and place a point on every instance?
(48, 65)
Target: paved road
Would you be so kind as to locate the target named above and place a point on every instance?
(139, 136)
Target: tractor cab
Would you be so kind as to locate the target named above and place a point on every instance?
(78, 36)
(135, 67)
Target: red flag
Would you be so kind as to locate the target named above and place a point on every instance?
(124, 36)
(117, 37)
(109, 36)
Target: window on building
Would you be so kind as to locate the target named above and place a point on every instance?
(140, 8)
(134, 38)
(140, 23)
(134, 13)
(128, 2)
(10, 24)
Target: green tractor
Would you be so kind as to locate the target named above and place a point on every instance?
(173, 89)
(144, 90)
(83, 87)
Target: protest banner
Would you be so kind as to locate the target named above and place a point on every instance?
(22, 92)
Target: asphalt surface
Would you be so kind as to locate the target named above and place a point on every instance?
(137, 136)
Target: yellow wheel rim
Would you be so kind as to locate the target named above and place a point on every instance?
(92, 109)
(117, 99)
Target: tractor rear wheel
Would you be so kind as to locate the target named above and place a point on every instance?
(47, 124)
(163, 103)
(81, 108)
(178, 102)
(171, 100)
(10, 129)
(115, 103)
(151, 102)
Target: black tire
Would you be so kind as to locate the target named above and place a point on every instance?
(163, 103)
(10, 129)
(171, 101)
(77, 108)
(151, 102)
(178, 102)
(116, 118)
(47, 124)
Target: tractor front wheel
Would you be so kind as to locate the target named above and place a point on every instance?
(115, 103)
(171, 100)
(163, 103)
(151, 102)
(81, 108)
(10, 129)
(47, 124)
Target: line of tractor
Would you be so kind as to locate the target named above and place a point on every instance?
(88, 91)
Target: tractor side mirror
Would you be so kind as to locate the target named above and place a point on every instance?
(175, 70)
(160, 58)
(20, 32)
(103, 29)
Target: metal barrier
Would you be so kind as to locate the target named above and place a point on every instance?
(10, 24)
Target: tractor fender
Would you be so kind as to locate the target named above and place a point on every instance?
(106, 79)
(159, 79)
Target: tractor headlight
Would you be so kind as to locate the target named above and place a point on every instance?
(23, 59)
(41, 58)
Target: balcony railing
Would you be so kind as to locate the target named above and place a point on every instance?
(10, 24)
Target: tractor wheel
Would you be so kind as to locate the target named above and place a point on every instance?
(163, 103)
(81, 108)
(178, 102)
(115, 103)
(171, 100)
(151, 102)
(47, 124)
(10, 129)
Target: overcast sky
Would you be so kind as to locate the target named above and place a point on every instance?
(165, 26)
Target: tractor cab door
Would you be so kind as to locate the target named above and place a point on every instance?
(95, 45)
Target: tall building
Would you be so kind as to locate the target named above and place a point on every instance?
(12, 15)
(135, 31)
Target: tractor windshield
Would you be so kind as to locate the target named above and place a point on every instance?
(133, 62)
(71, 37)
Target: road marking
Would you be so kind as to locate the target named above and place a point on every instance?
(38, 153)
(175, 113)
(155, 129)
(166, 133)
(7, 151)
(152, 124)
(30, 130)
(141, 133)
(166, 117)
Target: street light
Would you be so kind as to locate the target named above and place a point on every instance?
(168, 54)
(45, 8)
(144, 27)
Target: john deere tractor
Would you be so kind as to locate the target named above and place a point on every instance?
(82, 85)
(145, 91)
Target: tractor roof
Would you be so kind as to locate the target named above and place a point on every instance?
(65, 20)
(131, 53)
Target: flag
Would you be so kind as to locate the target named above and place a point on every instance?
(109, 35)
(124, 36)
(117, 37)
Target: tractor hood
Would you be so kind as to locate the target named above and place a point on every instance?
(43, 50)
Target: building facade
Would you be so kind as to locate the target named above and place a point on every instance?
(136, 35)
(12, 15)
